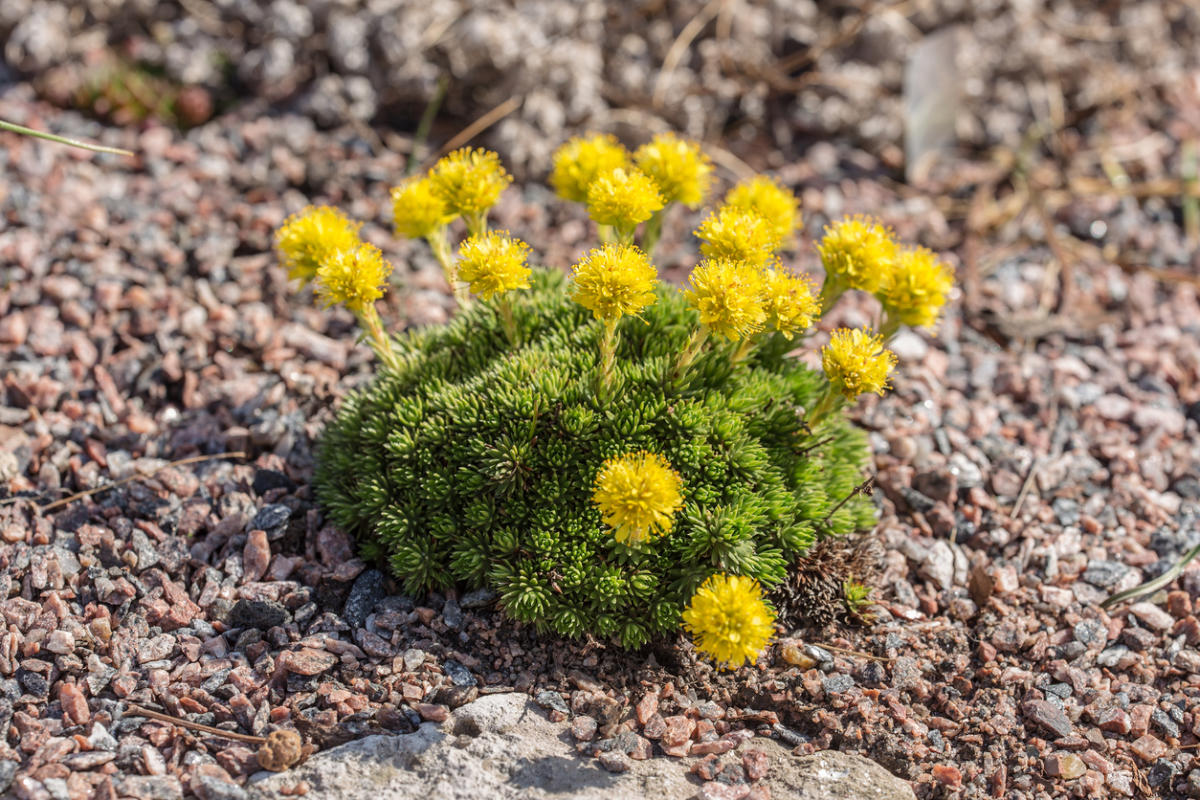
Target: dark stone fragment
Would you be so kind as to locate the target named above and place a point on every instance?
(34, 683)
(259, 614)
(626, 742)
(1062, 690)
(1164, 723)
(393, 719)
(272, 519)
(330, 595)
(1048, 716)
(837, 683)
(267, 479)
(452, 615)
(1193, 412)
(455, 696)
(1187, 487)
(1104, 574)
(552, 701)
(478, 598)
(1159, 776)
(458, 674)
(874, 674)
(916, 500)
(367, 591)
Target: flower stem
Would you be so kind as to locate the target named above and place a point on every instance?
(690, 350)
(747, 344)
(507, 320)
(652, 232)
(889, 326)
(378, 339)
(477, 223)
(830, 401)
(440, 245)
(608, 356)
(605, 233)
(831, 290)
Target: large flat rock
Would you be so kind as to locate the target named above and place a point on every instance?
(503, 746)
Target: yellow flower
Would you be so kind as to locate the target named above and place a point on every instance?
(914, 290)
(792, 304)
(616, 280)
(777, 205)
(729, 620)
(638, 495)
(355, 276)
(679, 168)
(857, 252)
(418, 211)
(305, 239)
(623, 198)
(855, 362)
(578, 162)
(494, 263)
(737, 233)
(729, 296)
(469, 181)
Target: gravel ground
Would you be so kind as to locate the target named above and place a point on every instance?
(1028, 466)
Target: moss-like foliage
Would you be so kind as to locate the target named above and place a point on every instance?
(474, 462)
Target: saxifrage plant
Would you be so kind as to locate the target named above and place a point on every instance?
(611, 455)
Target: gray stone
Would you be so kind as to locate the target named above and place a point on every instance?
(260, 614)
(458, 674)
(367, 591)
(477, 599)
(503, 747)
(1104, 574)
(837, 683)
(8, 770)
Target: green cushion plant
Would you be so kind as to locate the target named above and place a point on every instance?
(611, 455)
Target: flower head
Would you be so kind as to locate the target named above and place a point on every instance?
(623, 198)
(418, 211)
(493, 264)
(792, 303)
(581, 160)
(729, 296)
(915, 289)
(638, 495)
(855, 362)
(354, 276)
(857, 251)
(777, 205)
(679, 168)
(729, 620)
(305, 239)
(613, 281)
(737, 233)
(469, 181)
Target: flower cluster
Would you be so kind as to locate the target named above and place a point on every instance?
(678, 167)
(354, 276)
(307, 238)
(856, 362)
(729, 620)
(614, 281)
(623, 198)
(469, 181)
(580, 161)
(660, 499)
(494, 263)
(638, 496)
